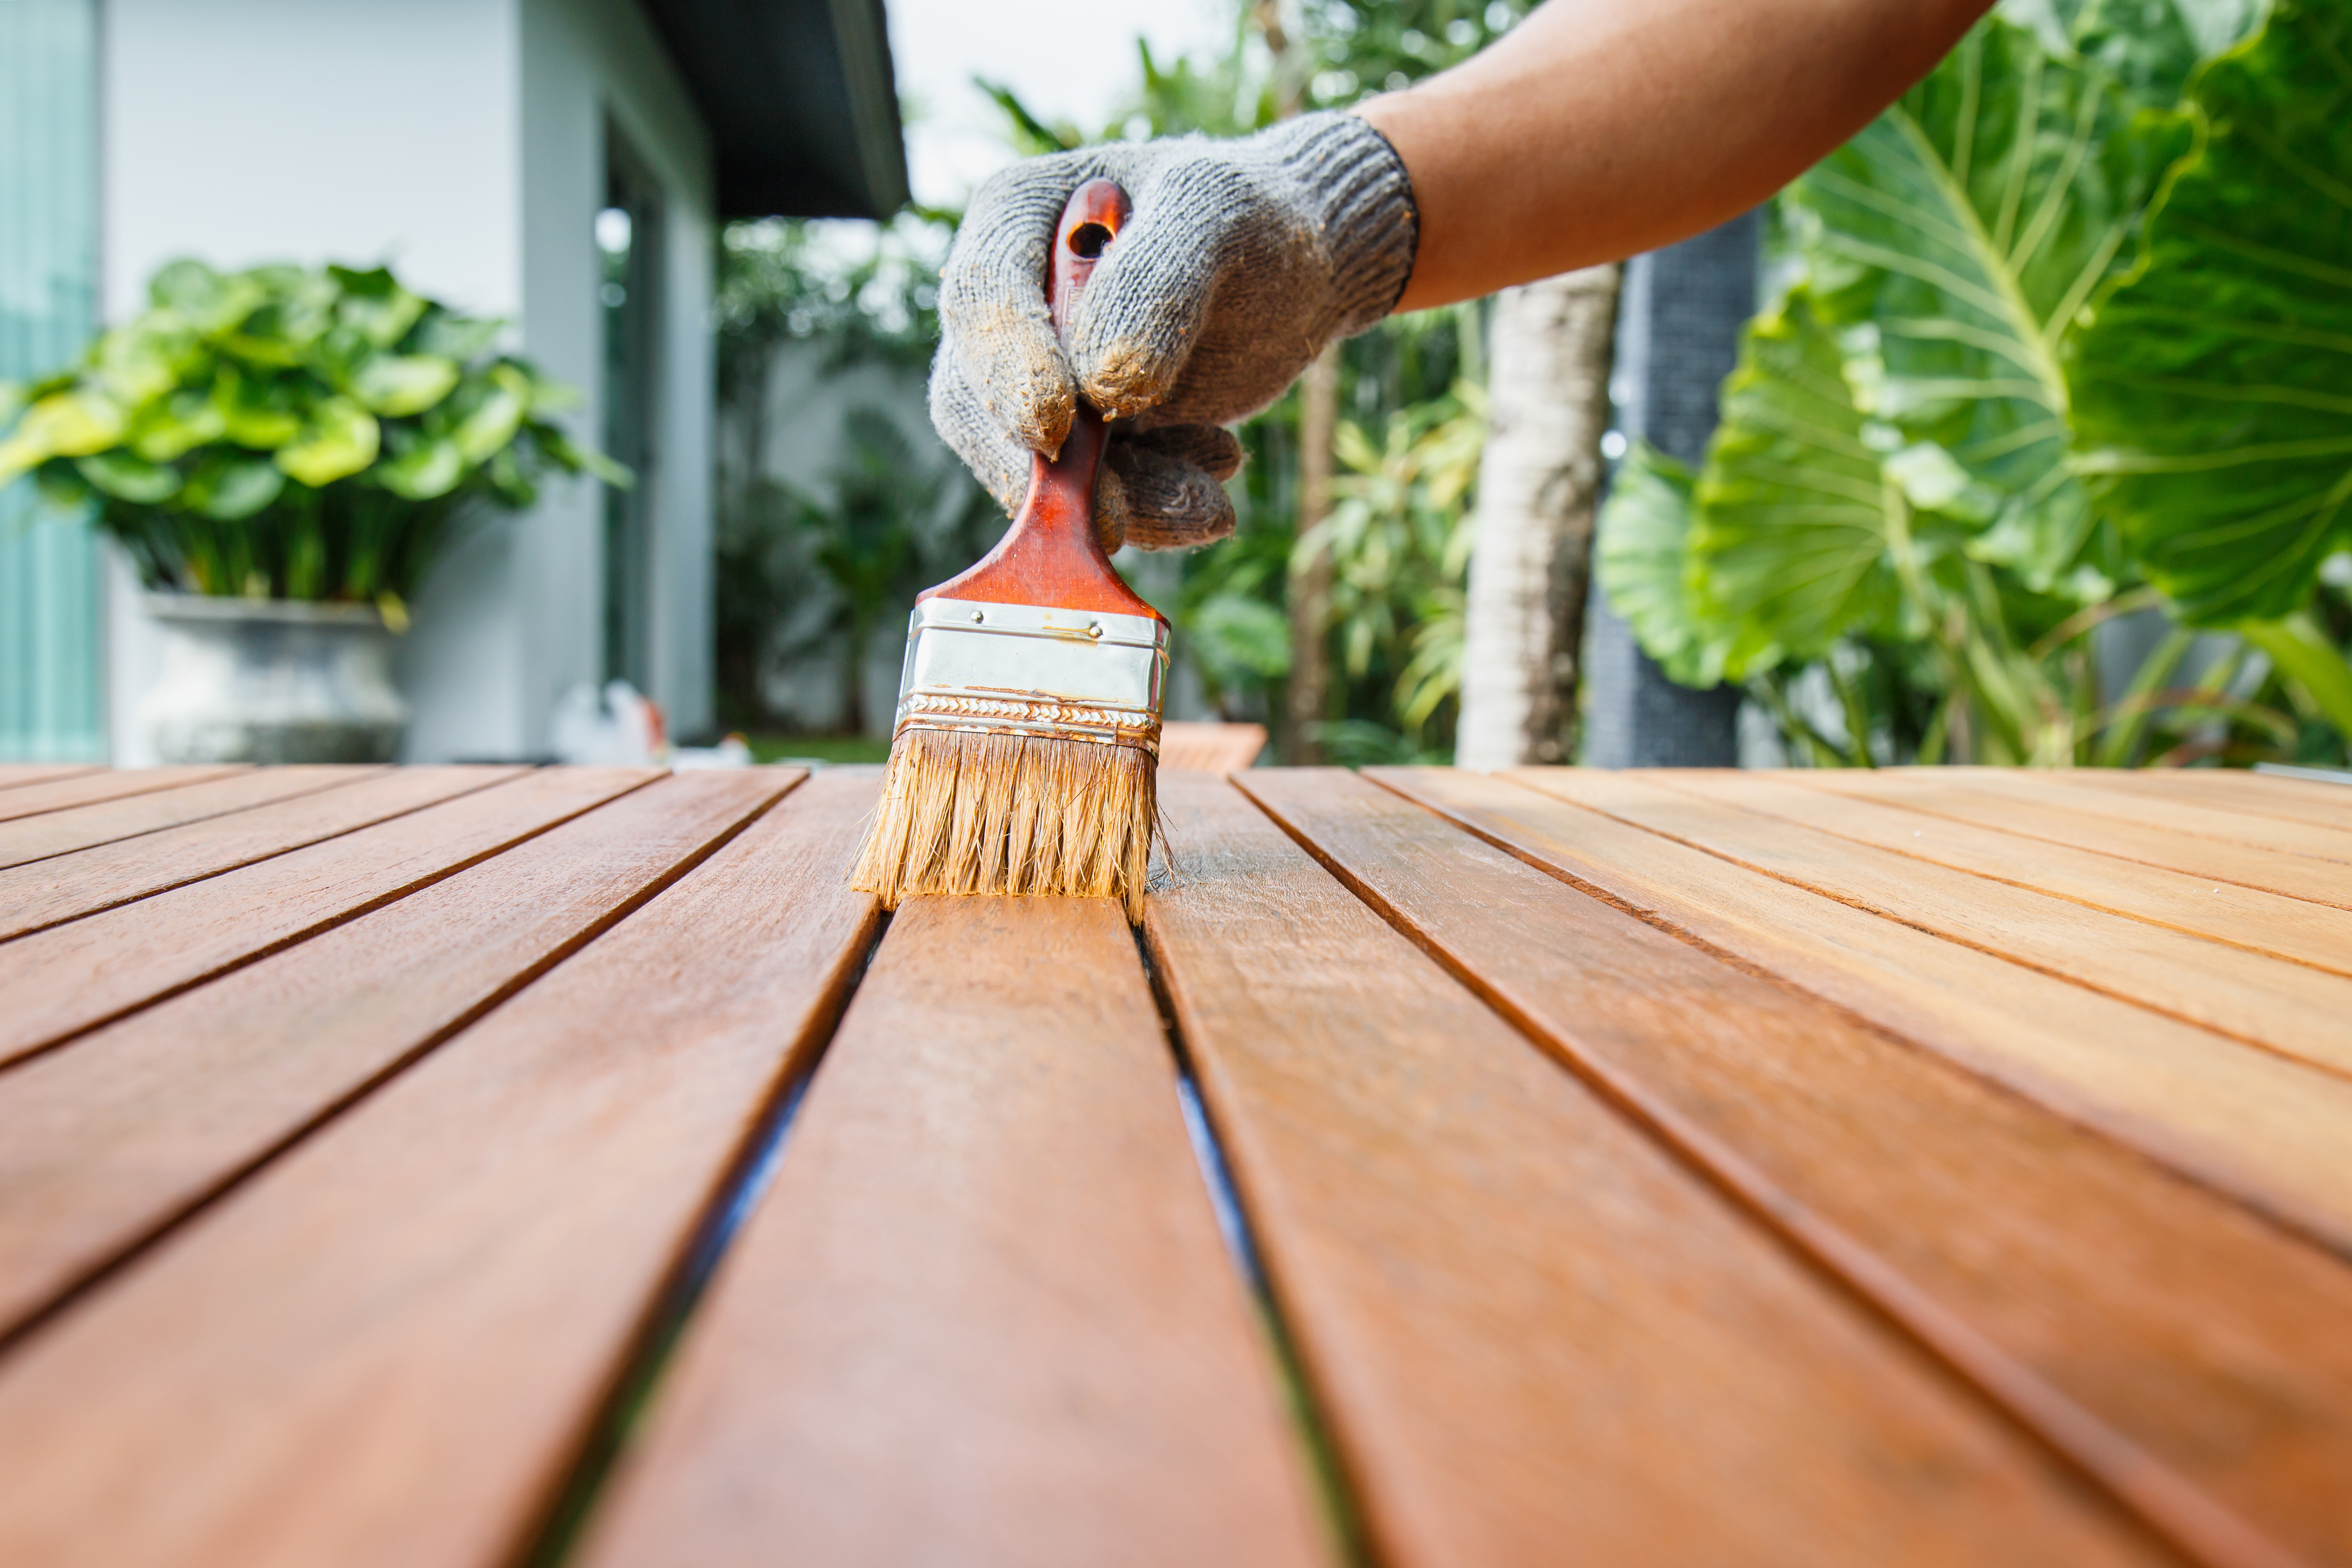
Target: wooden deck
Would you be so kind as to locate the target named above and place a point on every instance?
(483, 1166)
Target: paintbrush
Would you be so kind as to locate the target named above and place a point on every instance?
(1027, 740)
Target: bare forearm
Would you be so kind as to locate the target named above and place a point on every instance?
(1603, 127)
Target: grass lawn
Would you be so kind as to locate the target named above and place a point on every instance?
(820, 747)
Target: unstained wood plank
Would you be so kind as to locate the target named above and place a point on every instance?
(68, 887)
(2269, 1131)
(387, 1347)
(71, 977)
(984, 1315)
(1534, 1332)
(2297, 1011)
(13, 775)
(2161, 805)
(1954, 793)
(2268, 923)
(81, 827)
(2128, 1315)
(83, 788)
(2306, 801)
(104, 1145)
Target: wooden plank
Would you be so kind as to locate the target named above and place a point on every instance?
(104, 1145)
(2150, 813)
(984, 1315)
(2306, 801)
(1949, 793)
(83, 788)
(13, 775)
(2285, 1008)
(1532, 1330)
(2266, 1130)
(82, 828)
(385, 1348)
(2267, 923)
(75, 976)
(2126, 1314)
(68, 887)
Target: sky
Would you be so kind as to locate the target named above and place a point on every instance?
(1066, 59)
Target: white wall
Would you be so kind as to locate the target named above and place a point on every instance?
(462, 141)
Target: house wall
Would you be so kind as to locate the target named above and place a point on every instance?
(460, 141)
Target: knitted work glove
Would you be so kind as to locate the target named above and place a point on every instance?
(1242, 261)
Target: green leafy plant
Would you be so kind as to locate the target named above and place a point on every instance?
(285, 432)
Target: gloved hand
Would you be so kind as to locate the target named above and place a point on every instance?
(1242, 261)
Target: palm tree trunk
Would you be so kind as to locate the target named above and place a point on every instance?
(1309, 688)
(1537, 484)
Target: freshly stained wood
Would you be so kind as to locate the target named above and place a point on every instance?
(2161, 810)
(1533, 1331)
(80, 828)
(105, 1144)
(84, 787)
(385, 1348)
(67, 887)
(2306, 801)
(2268, 923)
(70, 977)
(2268, 1131)
(983, 1316)
(13, 775)
(2296, 1011)
(2127, 1315)
(2086, 824)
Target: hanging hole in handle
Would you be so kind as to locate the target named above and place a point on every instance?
(1089, 239)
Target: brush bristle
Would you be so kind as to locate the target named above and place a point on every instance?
(964, 812)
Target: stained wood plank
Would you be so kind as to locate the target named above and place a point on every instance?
(13, 775)
(1534, 1331)
(2294, 1010)
(2306, 801)
(74, 976)
(2267, 923)
(2163, 807)
(2267, 1130)
(83, 788)
(105, 1144)
(2128, 1315)
(385, 1348)
(984, 1316)
(82, 828)
(1950, 793)
(68, 887)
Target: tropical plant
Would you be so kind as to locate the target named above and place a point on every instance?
(294, 434)
(1911, 455)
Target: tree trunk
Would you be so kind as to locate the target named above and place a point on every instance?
(1310, 587)
(1539, 481)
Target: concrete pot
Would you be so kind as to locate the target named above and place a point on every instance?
(269, 681)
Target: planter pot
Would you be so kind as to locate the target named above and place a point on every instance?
(267, 680)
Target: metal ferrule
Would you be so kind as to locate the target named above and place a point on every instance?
(1021, 669)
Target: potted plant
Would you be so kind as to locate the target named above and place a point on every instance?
(283, 452)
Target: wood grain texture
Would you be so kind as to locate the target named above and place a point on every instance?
(2142, 1323)
(1532, 1330)
(2163, 808)
(2267, 923)
(385, 1348)
(15, 776)
(81, 827)
(2306, 801)
(68, 887)
(2268, 1132)
(2297, 1011)
(2085, 824)
(984, 1315)
(103, 1145)
(71, 977)
(81, 788)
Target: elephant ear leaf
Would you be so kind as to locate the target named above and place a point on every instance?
(1642, 556)
(2213, 392)
(1972, 223)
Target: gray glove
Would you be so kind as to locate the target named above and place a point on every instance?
(1242, 259)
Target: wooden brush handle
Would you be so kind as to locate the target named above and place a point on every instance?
(1049, 556)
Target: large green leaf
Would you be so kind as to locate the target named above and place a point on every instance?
(1641, 554)
(341, 439)
(2214, 392)
(1965, 230)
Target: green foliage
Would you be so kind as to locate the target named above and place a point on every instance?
(1898, 499)
(2216, 387)
(291, 434)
